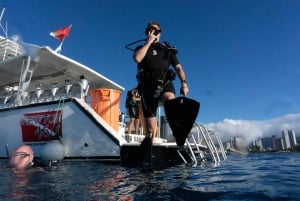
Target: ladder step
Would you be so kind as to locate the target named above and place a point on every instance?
(186, 156)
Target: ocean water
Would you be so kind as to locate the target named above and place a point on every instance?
(270, 176)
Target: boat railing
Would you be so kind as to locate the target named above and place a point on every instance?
(135, 138)
(9, 49)
(121, 127)
(41, 94)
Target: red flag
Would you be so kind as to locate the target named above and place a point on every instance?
(60, 34)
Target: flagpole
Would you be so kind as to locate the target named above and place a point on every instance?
(58, 49)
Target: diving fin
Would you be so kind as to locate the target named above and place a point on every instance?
(181, 114)
(145, 150)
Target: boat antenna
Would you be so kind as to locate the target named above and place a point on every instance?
(4, 30)
(128, 46)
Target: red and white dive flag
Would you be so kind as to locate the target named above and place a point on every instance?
(60, 34)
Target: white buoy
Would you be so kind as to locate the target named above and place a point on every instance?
(52, 151)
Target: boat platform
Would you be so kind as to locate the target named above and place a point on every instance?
(202, 145)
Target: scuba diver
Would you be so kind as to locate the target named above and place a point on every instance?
(155, 81)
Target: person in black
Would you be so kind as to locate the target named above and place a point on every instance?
(132, 103)
(155, 79)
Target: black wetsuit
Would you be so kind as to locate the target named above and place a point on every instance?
(154, 68)
(133, 108)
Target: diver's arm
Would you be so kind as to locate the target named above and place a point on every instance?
(181, 75)
(140, 53)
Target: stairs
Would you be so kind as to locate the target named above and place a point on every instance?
(202, 145)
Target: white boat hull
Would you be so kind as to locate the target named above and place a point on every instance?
(82, 133)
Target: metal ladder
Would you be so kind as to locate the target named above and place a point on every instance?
(202, 145)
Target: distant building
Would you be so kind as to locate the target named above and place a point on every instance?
(267, 143)
(286, 139)
(228, 146)
(292, 136)
(274, 142)
(289, 139)
(277, 143)
(238, 143)
(298, 138)
(258, 143)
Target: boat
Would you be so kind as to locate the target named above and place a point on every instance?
(65, 110)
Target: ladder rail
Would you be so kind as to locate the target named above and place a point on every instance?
(208, 142)
(200, 152)
(191, 151)
(221, 147)
(197, 151)
(181, 156)
(219, 143)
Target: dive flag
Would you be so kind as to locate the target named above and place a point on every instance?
(60, 34)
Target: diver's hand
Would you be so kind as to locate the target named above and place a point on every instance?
(184, 90)
(151, 37)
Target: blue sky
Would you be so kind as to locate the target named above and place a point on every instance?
(241, 57)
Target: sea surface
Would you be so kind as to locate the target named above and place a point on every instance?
(269, 176)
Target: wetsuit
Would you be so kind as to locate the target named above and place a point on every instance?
(154, 70)
(133, 109)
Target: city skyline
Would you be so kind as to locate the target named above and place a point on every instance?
(287, 140)
(249, 129)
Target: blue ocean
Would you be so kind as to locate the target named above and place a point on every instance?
(268, 176)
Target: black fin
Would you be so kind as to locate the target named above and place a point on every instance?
(181, 113)
(145, 151)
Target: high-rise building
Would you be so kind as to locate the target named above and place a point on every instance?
(286, 139)
(292, 137)
(274, 144)
(289, 138)
(277, 143)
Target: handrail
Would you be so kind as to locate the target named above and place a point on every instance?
(199, 152)
(9, 49)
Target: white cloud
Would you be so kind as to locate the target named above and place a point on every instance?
(250, 130)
